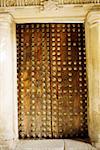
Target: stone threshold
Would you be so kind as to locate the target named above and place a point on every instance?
(59, 144)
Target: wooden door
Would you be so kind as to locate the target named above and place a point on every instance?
(52, 87)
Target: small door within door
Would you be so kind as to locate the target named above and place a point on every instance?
(52, 87)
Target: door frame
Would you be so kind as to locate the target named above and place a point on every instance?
(50, 14)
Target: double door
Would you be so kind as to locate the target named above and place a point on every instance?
(52, 87)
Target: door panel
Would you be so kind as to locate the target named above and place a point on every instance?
(52, 87)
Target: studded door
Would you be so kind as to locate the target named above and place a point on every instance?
(52, 87)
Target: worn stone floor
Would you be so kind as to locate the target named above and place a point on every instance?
(53, 145)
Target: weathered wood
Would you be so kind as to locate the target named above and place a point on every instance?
(52, 87)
